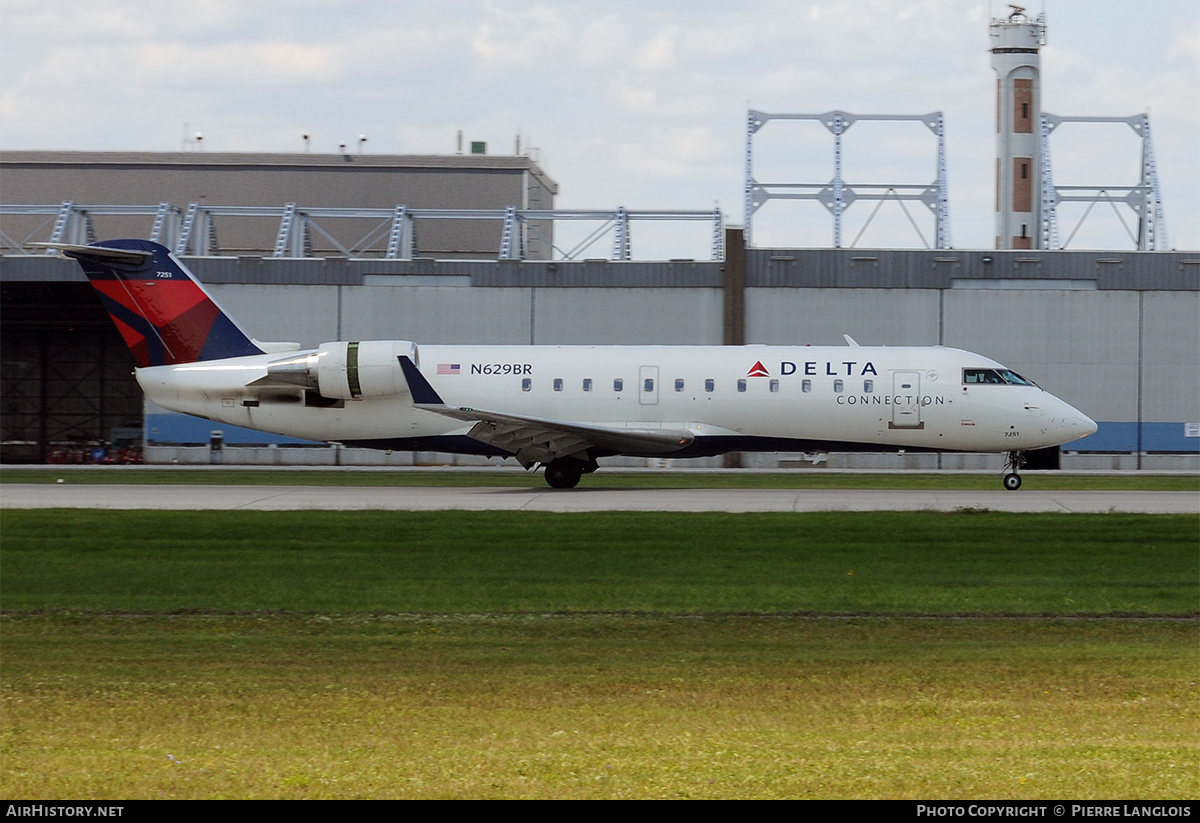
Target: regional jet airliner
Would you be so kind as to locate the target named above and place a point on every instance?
(564, 407)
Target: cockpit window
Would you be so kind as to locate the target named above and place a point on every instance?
(981, 376)
(996, 377)
(1015, 379)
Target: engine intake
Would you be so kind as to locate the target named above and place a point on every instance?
(348, 370)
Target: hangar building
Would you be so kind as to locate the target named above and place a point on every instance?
(239, 197)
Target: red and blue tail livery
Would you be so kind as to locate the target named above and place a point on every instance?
(164, 315)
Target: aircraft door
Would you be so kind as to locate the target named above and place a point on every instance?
(906, 400)
(648, 385)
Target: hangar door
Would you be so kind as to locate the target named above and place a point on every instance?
(66, 377)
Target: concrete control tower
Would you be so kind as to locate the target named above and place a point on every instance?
(1015, 42)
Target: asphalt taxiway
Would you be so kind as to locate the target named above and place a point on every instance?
(583, 499)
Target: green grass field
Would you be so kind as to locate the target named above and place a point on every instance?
(610, 706)
(452, 562)
(499, 654)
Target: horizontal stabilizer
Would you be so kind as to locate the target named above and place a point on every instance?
(130, 257)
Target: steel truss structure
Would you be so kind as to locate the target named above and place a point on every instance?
(837, 195)
(193, 231)
(1144, 198)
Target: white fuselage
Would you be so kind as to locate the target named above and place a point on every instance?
(743, 397)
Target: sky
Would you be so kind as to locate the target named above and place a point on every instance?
(624, 103)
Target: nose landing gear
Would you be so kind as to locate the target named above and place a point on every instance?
(1012, 480)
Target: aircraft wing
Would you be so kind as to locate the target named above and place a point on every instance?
(539, 440)
(536, 440)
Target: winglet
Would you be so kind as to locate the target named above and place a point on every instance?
(423, 394)
(850, 341)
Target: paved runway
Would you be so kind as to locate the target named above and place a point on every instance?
(288, 498)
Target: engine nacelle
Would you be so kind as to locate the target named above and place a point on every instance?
(349, 371)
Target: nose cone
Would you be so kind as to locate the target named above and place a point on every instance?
(1076, 427)
(1072, 424)
(1086, 425)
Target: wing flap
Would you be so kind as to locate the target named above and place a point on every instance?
(531, 444)
(539, 440)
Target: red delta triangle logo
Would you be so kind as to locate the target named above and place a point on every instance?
(758, 370)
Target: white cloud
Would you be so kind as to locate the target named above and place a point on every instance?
(658, 53)
(632, 103)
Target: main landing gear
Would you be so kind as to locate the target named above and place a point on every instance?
(1012, 480)
(564, 472)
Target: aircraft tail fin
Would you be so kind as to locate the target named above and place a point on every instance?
(161, 310)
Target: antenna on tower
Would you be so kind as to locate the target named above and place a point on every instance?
(196, 142)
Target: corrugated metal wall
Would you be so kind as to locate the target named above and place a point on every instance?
(1115, 334)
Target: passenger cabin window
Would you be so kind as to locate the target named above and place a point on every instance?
(806, 386)
(774, 386)
(558, 384)
(742, 384)
(587, 384)
(618, 385)
(838, 385)
(648, 384)
(526, 383)
(868, 386)
(679, 385)
(710, 384)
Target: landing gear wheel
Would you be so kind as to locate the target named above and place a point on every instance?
(563, 474)
(1012, 480)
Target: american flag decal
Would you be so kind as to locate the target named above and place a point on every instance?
(448, 368)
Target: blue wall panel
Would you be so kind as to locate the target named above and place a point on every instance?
(1122, 437)
(185, 430)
